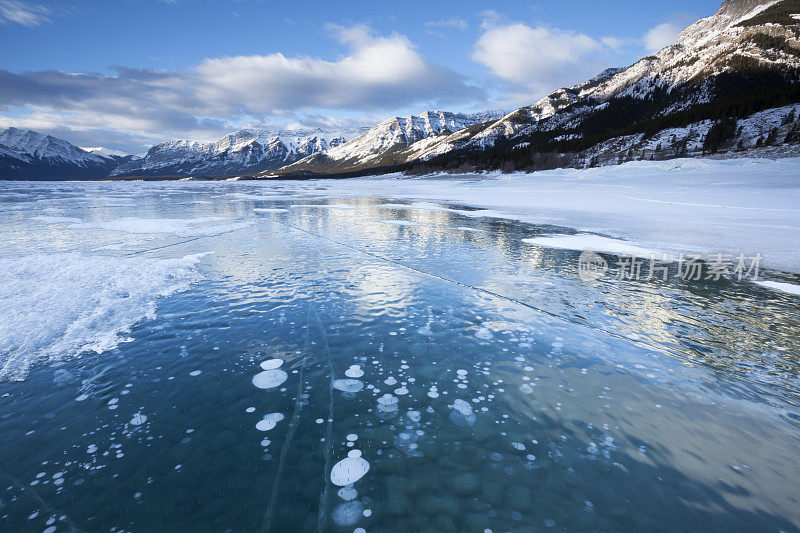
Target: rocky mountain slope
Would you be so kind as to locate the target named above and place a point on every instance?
(244, 152)
(31, 155)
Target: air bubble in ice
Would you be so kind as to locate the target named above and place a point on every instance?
(348, 385)
(349, 470)
(354, 372)
(347, 493)
(138, 419)
(269, 379)
(272, 364)
(462, 414)
(269, 421)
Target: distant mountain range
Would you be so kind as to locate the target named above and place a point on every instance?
(730, 82)
(31, 155)
(244, 152)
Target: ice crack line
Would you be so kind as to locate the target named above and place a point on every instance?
(298, 406)
(323, 499)
(139, 252)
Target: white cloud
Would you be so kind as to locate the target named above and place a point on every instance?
(25, 13)
(453, 22)
(521, 54)
(666, 33)
(661, 36)
(613, 42)
(378, 71)
(375, 74)
(490, 18)
(530, 62)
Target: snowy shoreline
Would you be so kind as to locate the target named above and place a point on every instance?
(735, 206)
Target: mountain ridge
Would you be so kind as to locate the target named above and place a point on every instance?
(243, 152)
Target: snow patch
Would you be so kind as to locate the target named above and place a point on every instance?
(594, 243)
(788, 288)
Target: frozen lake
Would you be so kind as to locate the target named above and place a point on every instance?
(326, 356)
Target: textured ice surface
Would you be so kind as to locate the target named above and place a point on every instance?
(56, 306)
(620, 395)
(191, 227)
(57, 220)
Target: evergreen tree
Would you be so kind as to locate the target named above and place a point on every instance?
(772, 138)
(718, 134)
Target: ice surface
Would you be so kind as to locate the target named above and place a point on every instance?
(57, 220)
(57, 306)
(510, 374)
(191, 227)
(400, 222)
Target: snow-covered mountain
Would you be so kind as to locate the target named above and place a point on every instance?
(742, 38)
(378, 145)
(31, 155)
(243, 152)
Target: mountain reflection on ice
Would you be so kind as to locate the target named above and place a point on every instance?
(295, 368)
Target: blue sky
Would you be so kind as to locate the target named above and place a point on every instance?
(129, 73)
